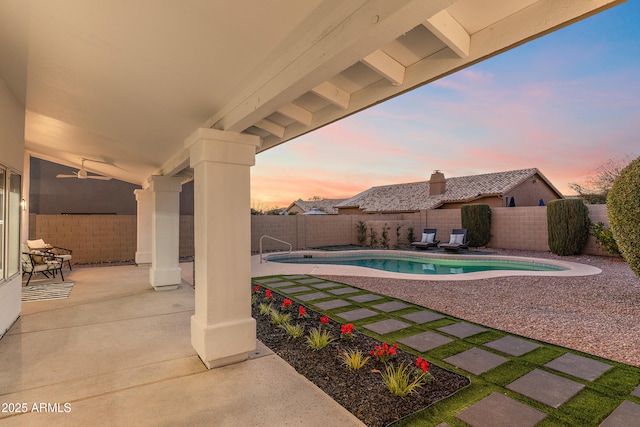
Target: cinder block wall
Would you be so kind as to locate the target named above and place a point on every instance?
(109, 238)
(99, 238)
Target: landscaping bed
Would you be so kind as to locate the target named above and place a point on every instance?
(361, 392)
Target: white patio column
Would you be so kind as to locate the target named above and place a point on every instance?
(165, 272)
(143, 222)
(222, 329)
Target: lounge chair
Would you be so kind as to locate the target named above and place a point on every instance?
(428, 239)
(40, 262)
(40, 245)
(457, 241)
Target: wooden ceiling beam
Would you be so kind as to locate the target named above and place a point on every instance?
(386, 66)
(447, 29)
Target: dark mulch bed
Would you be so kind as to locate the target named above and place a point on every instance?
(361, 392)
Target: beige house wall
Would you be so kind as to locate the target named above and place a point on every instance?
(110, 238)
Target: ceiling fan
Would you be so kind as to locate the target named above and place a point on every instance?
(82, 174)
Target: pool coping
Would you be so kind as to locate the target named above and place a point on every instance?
(267, 268)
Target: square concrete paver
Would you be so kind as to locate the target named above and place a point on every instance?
(269, 280)
(294, 290)
(365, 298)
(330, 305)
(462, 329)
(387, 326)
(313, 296)
(424, 316)
(625, 415)
(325, 285)
(390, 306)
(310, 280)
(296, 276)
(361, 313)
(546, 387)
(500, 410)
(425, 341)
(579, 366)
(343, 291)
(636, 392)
(476, 360)
(280, 284)
(512, 345)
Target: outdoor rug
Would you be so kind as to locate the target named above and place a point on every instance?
(46, 292)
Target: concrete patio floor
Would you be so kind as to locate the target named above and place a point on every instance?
(116, 352)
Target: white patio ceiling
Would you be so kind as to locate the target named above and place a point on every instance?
(127, 81)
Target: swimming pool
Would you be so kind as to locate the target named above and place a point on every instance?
(408, 263)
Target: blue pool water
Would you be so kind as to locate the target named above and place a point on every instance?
(417, 265)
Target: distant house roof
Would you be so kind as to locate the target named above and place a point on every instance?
(325, 205)
(415, 196)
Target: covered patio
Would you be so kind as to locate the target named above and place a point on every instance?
(159, 94)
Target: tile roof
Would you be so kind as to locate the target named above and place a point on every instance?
(415, 196)
(325, 205)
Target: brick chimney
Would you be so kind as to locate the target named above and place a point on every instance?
(437, 184)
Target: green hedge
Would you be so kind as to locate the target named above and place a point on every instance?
(477, 220)
(623, 206)
(568, 224)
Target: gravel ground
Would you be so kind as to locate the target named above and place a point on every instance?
(598, 314)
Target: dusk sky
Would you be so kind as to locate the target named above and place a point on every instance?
(565, 103)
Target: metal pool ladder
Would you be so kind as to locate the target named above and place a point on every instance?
(277, 240)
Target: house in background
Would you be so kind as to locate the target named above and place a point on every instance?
(327, 206)
(526, 187)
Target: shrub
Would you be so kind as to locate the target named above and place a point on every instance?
(353, 359)
(319, 339)
(568, 225)
(604, 237)
(477, 220)
(410, 235)
(294, 331)
(623, 205)
(385, 236)
(361, 230)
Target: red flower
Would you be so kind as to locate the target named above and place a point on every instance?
(302, 312)
(324, 320)
(256, 289)
(268, 294)
(346, 331)
(286, 303)
(422, 364)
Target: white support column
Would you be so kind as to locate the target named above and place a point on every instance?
(165, 272)
(222, 329)
(143, 221)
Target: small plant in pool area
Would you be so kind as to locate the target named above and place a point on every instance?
(373, 238)
(410, 235)
(402, 380)
(268, 294)
(286, 304)
(384, 352)
(324, 320)
(385, 236)
(256, 289)
(278, 318)
(605, 238)
(361, 231)
(265, 309)
(319, 339)
(294, 331)
(398, 227)
(353, 359)
(302, 312)
(346, 331)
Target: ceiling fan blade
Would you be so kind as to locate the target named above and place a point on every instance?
(103, 178)
(63, 175)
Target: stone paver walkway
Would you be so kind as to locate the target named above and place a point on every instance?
(545, 378)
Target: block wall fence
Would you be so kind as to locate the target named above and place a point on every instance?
(112, 238)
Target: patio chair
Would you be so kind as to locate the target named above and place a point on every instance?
(428, 239)
(457, 241)
(40, 245)
(34, 262)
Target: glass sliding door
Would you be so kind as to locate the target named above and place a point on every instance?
(13, 223)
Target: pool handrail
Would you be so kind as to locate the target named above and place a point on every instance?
(277, 240)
